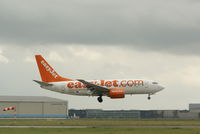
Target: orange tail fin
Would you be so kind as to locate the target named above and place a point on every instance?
(47, 73)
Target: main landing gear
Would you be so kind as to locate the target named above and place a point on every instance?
(149, 97)
(100, 99)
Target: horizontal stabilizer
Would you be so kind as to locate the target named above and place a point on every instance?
(43, 83)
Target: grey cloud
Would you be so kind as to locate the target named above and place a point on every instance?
(171, 26)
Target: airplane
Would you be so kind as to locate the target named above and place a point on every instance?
(113, 88)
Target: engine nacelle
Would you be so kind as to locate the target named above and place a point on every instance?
(116, 93)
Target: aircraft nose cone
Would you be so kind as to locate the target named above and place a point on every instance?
(160, 88)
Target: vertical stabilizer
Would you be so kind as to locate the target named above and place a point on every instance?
(47, 73)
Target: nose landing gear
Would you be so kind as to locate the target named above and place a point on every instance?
(149, 97)
(100, 99)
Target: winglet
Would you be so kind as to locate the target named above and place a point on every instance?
(47, 73)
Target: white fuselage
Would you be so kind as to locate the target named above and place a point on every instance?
(130, 86)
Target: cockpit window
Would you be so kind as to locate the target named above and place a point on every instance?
(154, 82)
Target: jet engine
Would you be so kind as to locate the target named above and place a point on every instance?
(116, 93)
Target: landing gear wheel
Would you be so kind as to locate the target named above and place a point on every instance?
(149, 97)
(100, 99)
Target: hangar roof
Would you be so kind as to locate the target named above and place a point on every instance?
(29, 99)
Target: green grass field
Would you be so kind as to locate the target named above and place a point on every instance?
(101, 123)
(97, 122)
(98, 131)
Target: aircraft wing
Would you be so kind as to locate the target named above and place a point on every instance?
(43, 83)
(97, 90)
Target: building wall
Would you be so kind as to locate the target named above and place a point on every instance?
(73, 113)
(55, 108)
(167, 113)
(151, 114)
(188, 115)
(194, 106)
(29, 108)
(96, 113)
(113, 114)
(35, 109)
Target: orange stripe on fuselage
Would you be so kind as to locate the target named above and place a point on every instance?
(108, 84)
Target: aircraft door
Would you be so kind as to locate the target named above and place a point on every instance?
(146, 84)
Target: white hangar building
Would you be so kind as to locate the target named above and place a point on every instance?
(33, 107)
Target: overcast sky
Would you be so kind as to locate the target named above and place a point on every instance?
(157, 40)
